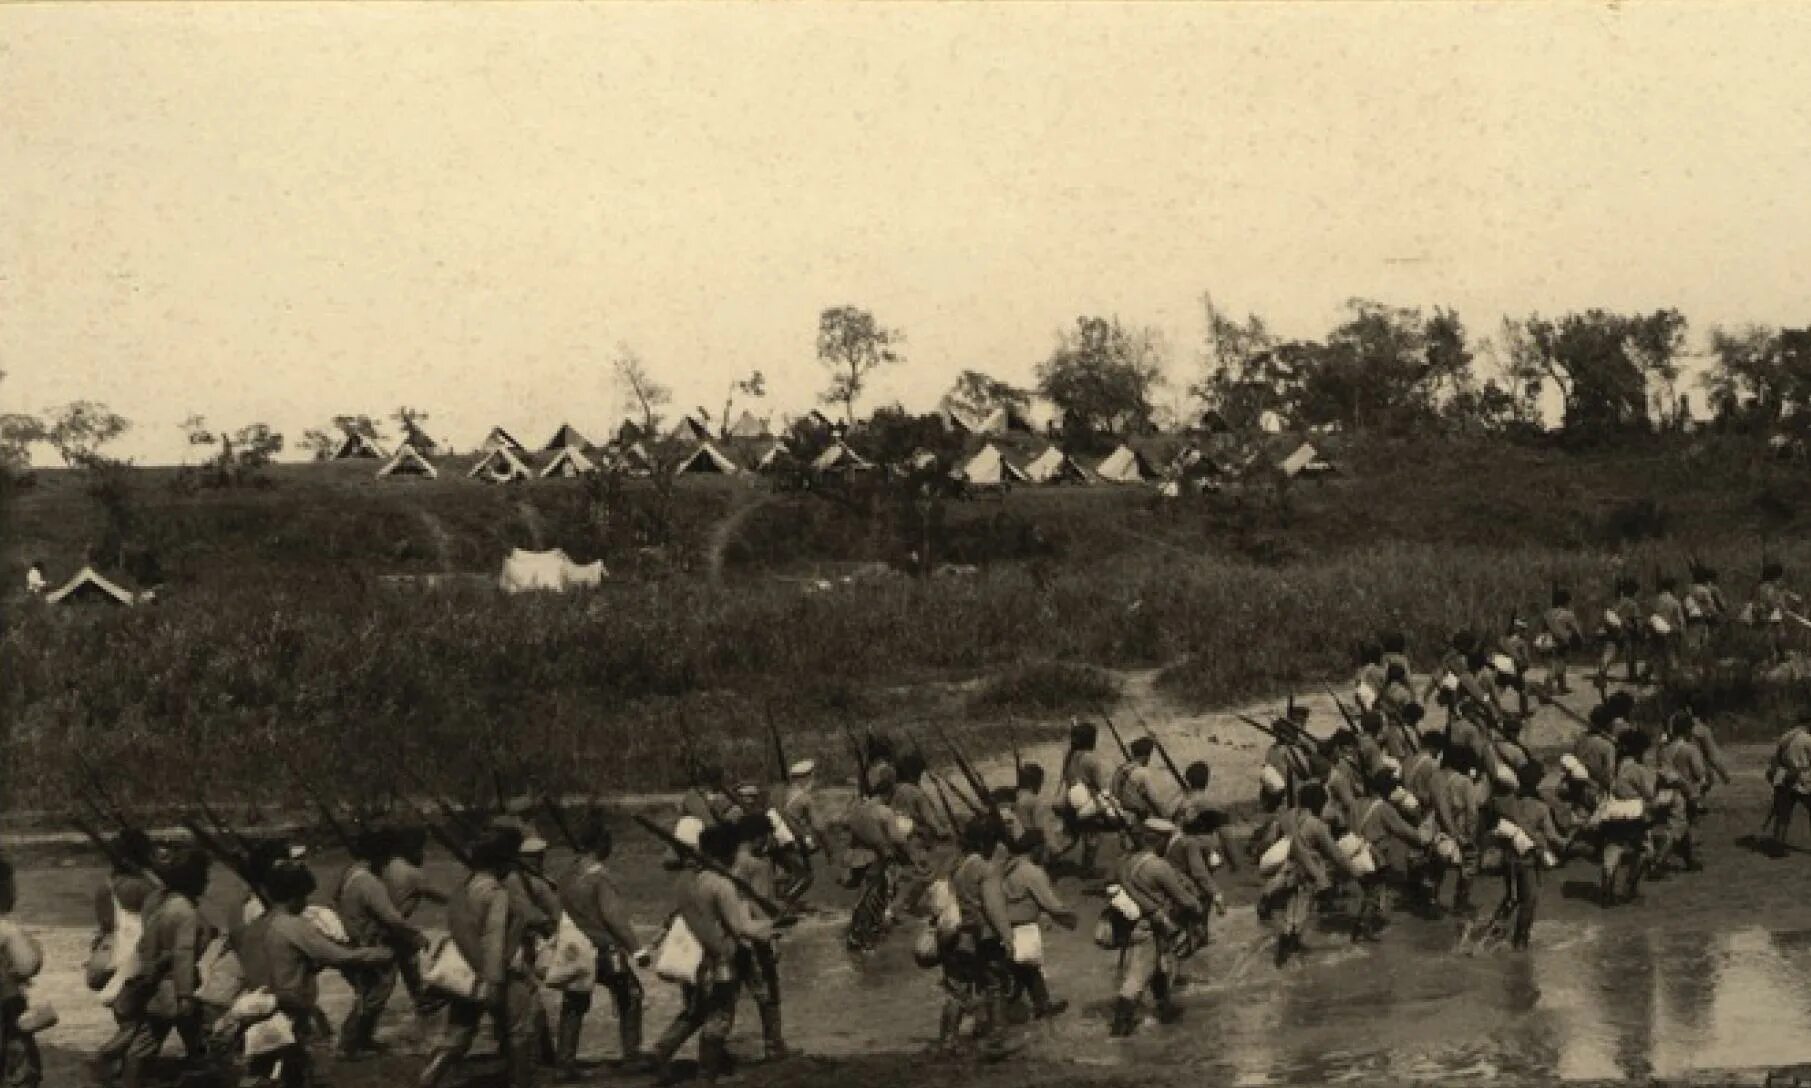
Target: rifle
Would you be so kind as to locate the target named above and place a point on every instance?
(114, 857)
(559, 820)
(974, 806)
(975, 781)
(779, 745)
(1124, 752)
(1350, 724)
(1018, 761)
(691, 854)
(240, 842)
(1181, 781)
(1161, 750)
(861, 762)
(236, 863)
(108, 806)
(949, 810)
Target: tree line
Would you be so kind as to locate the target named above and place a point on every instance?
(1381, 368)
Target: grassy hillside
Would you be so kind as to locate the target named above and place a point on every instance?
(338, 520)
(273, 643)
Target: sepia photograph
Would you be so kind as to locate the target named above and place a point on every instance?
(904, 544)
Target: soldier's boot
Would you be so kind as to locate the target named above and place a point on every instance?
(773, 1040)
(1125, 1017)
(132, 1073)
(1042, 1006)
(634, 1059)
(949, 1026)
(1168, 1012)
(572, 1026)
(713, 1061)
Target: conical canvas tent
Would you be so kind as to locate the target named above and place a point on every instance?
(498, 438)
(747, 426)
(407, 462)
(990, 468)
(564, 438)
(1002, 420)
(356, 445)
(708, 459)
(633, 460)
(1124, 465)
(569, 462)
(89, 585)
(1053, 466)
(838, 455)
(690, 429)
(500, 466)
(774, 456)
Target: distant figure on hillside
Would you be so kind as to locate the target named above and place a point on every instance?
(34, 579)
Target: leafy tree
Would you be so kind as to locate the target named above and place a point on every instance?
(319, 444)
(852, 345)
(237, 456)
(1604, 365)
(19, 431)
(1102, 376)
(1241, 379)
(978, 395)
(892, 435)
(79, 429)
(642, 395)
(1383, 367)
(1759, 372)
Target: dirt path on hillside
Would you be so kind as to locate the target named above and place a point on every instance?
(724, 532)
(443, 540)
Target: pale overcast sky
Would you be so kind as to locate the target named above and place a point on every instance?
(279, 212)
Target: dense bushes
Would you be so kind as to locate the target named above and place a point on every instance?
(365, 688)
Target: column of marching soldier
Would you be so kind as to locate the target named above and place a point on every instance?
(1388, 807)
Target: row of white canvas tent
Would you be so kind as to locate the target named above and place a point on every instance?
(502, 459)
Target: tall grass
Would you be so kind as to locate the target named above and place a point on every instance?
(371, 692)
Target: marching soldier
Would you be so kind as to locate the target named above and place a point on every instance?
(1030, 897)
(1683, 768)
(490, 931)
(408, 887)
(1164, 904)
(758, 959)
(978, 954)
(1392, 840)
(878, 847)
(718, 918)
(589, 896)
(1667, 626)
(1088, 805)
(1524, 824)
(1563, 636)
(1772, 601)
(168, 953)
(1304, 872)
(295, 951)
(21, 958)
(372, 921)
(1789, 772)
(1135, 785)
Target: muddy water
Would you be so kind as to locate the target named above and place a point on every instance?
(1590, 1003)
(1710, 973)
(1690, 980)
